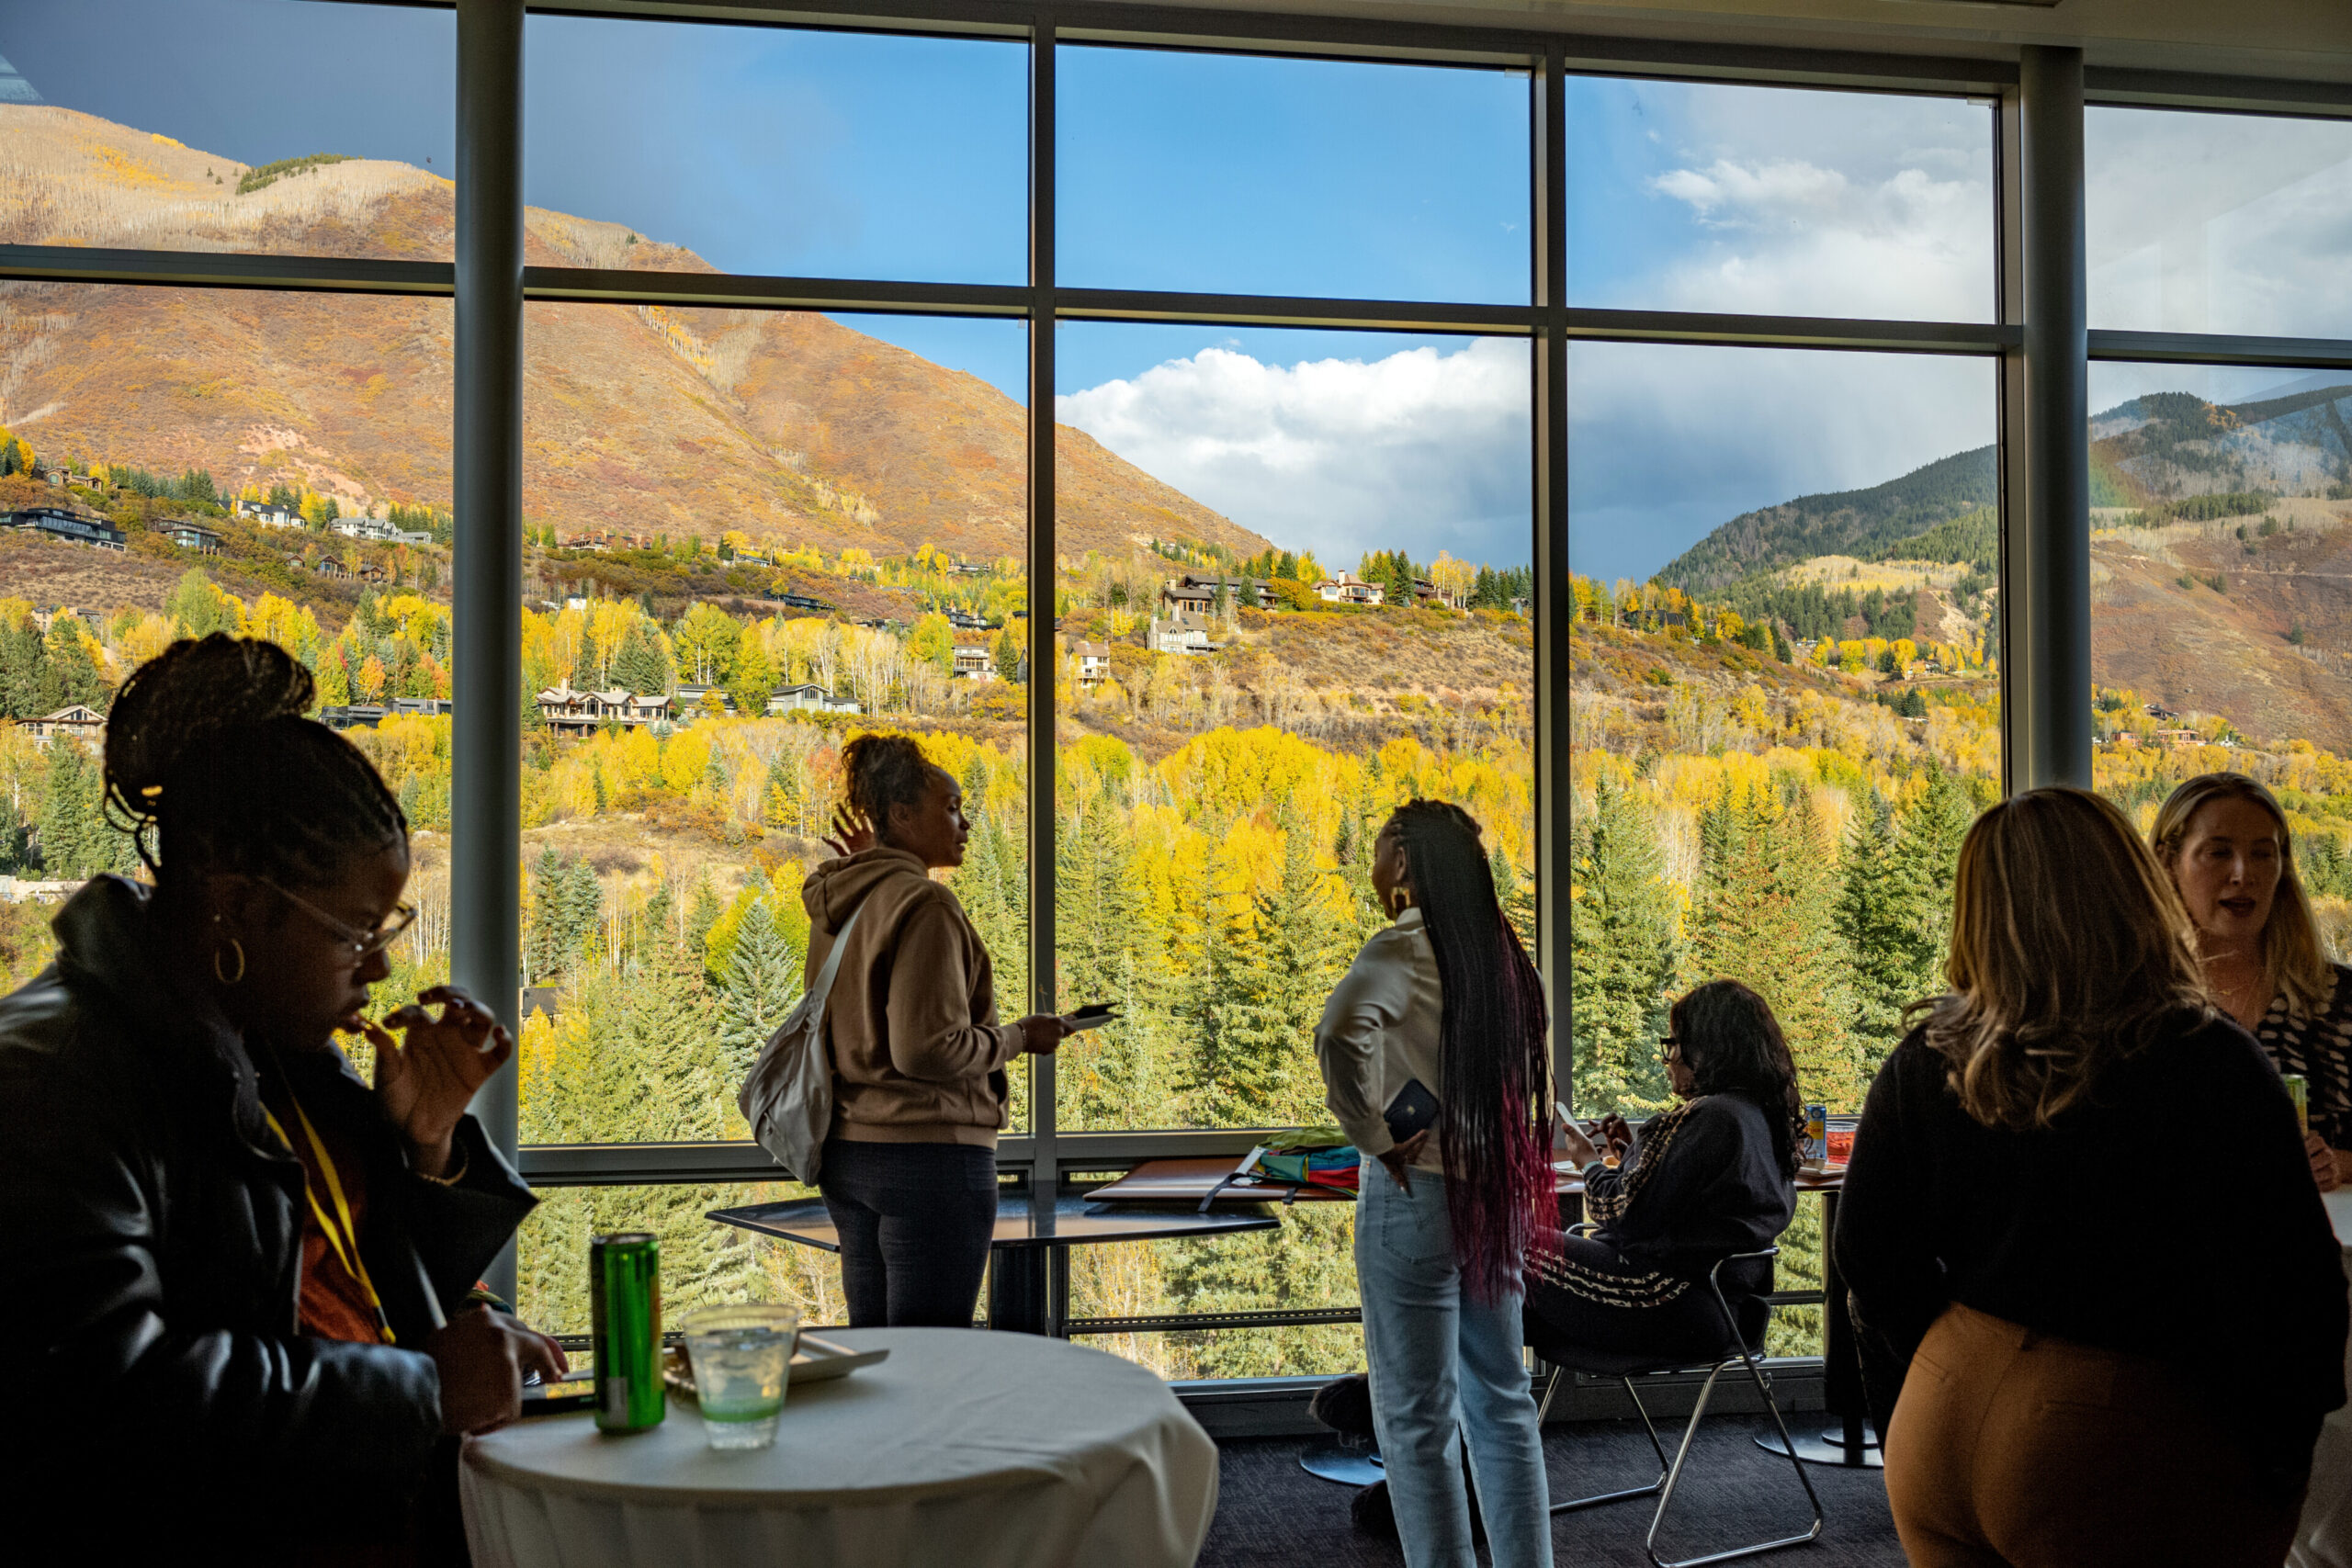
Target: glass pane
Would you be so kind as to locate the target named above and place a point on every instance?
(2218, 223)
(1241, 174)
(1689, 197)
(160, 438)
(2220, 632)
(1306, 1263)
(752, 536)
(1239, 724)
(1785, 709)
(703, 1263)
(229, 124)
(686, 147)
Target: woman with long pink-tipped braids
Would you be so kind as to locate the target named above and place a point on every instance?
(1446, 998)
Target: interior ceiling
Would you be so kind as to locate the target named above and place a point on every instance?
(2300, 40)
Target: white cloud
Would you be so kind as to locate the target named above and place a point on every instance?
(2224, 223)
(1812, 203)
(1422, 450)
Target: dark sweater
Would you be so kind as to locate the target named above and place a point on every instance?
(1699, 1183)
(2172, 1215)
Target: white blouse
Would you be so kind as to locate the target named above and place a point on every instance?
(1379, 1032)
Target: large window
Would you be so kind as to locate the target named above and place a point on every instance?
(1337, 625)
(1321, 376)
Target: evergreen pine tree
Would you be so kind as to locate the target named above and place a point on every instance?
(1764, 914)
(75, 841)
(1624, 956)
(1871, 918)
(762, 983)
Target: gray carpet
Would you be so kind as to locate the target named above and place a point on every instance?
(1271, 1514)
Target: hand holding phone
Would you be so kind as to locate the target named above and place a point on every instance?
(1413, 1111)
(1093, 1015)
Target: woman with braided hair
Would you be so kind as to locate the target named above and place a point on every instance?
(239, 1281)
(1449, 1218)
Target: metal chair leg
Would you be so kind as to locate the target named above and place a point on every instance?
(1631, 1492)
(1666, 1500)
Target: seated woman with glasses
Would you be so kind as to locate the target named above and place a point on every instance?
(1713, 1176)
(237, 1282)
(2106, 1369)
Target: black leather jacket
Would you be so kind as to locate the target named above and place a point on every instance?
(157, 1384)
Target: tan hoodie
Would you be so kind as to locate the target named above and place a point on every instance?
(918, 1055)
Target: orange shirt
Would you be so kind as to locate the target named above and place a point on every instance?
(335, 1305)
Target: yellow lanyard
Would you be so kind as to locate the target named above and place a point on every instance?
(344, 1238)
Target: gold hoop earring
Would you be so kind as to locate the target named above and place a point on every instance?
(230, 980)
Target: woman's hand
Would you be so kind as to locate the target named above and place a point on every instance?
(426, 1083)
(1399, 1159)
(1575, 1145)
(1042, 1034)
(482, 1356)
(1617, 1133)
(853, 834)
(2324, 1169)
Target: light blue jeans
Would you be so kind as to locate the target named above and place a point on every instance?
(1445, 1368)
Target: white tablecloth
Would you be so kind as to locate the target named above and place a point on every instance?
(2325, 1537)
(966, 1448)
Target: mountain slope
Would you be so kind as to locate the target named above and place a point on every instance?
(639, 420)
(1853, 522)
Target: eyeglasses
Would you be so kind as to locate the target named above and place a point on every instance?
(1669, 1047)
(362, 943)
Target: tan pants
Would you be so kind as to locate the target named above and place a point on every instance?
(2014, 1450)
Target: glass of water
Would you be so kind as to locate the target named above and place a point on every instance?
(742, 1361)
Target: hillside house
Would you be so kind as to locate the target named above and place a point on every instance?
(2177, 737)
(1196, 594)
(974, 661)
(965, 621)
(1349, 589)
(378, 530)
(60, 523)
(76, 721)
(58, 474)
(268, 514)
(1093, 663)
(1177, 634)
(581, 712)
(795, 600)
(189, 534)
(351, 715)
(691, 700)
(807, 699)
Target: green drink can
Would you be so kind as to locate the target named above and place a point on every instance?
(625, 1326)
(2299, 1089)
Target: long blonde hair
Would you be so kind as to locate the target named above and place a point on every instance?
(2070, 949)
(2294, 956)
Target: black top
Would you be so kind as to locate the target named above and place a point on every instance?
(2172, 1215)
(2319, 1047)
(150, 1248)
(1699, 1183)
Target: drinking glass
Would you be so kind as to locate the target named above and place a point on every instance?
(742, 1361)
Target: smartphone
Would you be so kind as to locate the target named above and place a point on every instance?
(1413, 1111)
(1093, 1015)
(572, 1394)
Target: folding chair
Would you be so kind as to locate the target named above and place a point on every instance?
(1739, 1350)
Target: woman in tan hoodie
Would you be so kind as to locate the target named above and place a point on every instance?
(909, 1172)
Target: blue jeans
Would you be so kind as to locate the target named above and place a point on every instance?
(1445, 1368)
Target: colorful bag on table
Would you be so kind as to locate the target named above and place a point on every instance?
(1311, 1156)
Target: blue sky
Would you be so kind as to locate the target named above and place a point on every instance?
(892, 157)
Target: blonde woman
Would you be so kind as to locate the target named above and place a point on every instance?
(2059, 1309)
(2232, 857)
